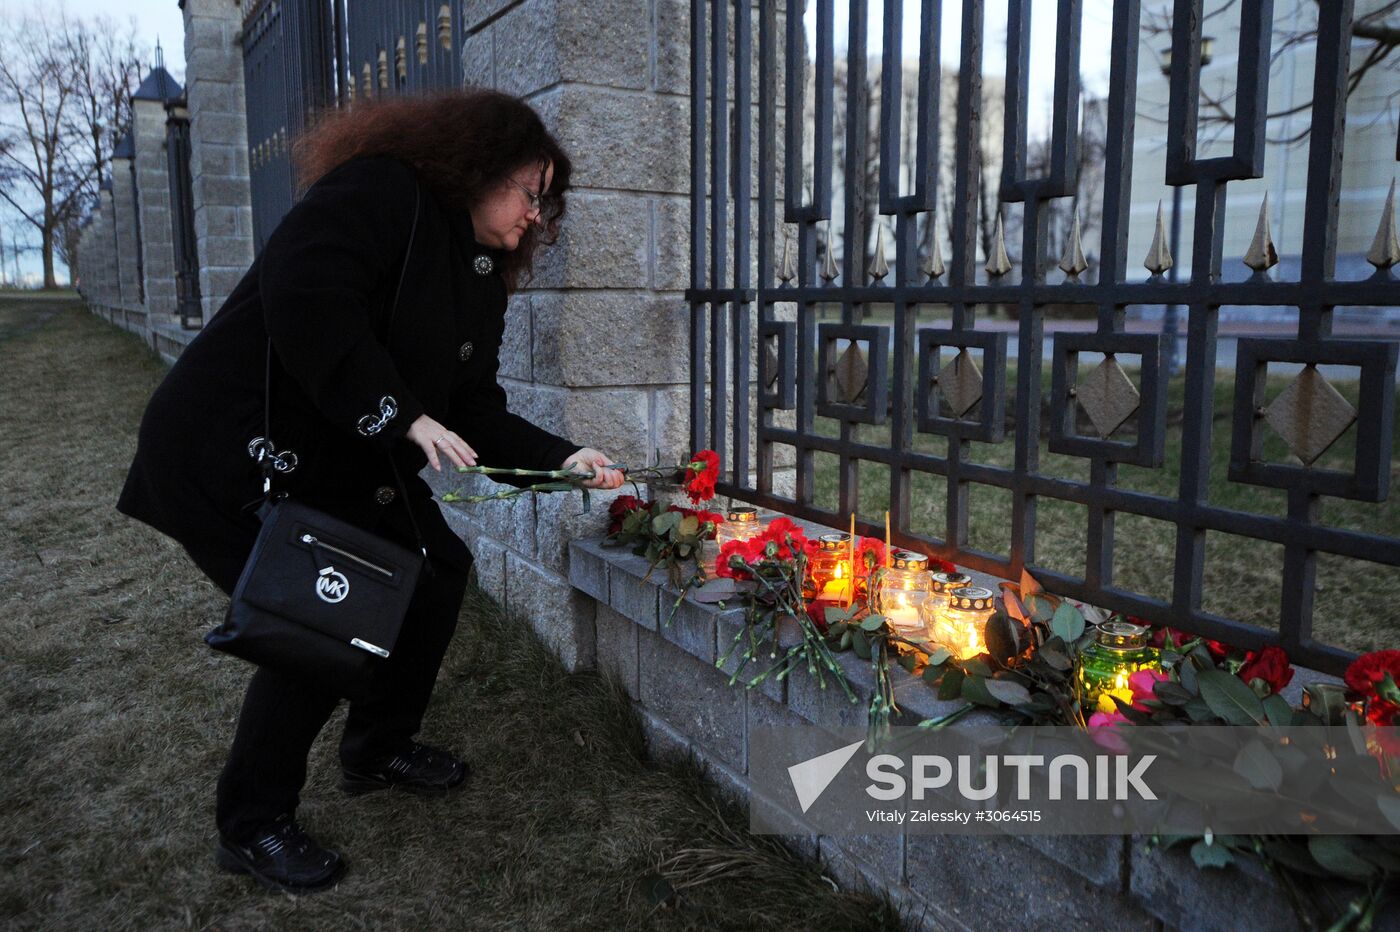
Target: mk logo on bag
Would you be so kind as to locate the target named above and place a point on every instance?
(332, 586)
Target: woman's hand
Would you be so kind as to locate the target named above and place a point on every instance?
(589, 459)
(437, 441)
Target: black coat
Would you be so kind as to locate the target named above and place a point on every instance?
(322, 287)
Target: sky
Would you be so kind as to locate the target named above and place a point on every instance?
(155, 20)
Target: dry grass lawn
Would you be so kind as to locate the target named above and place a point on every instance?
(116, 719)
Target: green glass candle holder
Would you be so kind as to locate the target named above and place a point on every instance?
(1119, 650)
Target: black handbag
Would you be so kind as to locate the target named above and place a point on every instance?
(318, 597)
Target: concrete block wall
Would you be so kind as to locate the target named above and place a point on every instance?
(124, 220)
(958, 882)
(595, 347)
(153, 199)
(223, 211)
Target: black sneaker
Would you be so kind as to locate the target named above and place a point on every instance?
(421, 769)
(282, 857)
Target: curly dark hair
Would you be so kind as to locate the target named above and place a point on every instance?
(462, 143)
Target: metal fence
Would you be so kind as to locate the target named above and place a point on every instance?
(301, 56)
(855, 373)
(186, 247)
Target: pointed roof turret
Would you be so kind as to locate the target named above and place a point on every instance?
(159, 85)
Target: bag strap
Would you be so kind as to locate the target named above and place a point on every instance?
(269, 459)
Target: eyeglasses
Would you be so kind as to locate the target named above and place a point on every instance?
(533, 198)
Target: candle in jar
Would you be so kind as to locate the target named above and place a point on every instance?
(902, 592)
(1118, 651)
(961, 626)
(741, 523)
(829, 575)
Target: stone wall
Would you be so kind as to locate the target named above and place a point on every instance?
(595, 348)
(959, 882)
(153, 200)
(223, 212)
(124, 234)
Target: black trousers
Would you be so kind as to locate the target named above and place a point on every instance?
(282, 715)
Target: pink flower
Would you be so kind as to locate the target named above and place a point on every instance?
(1143, 684)
(1104, 725)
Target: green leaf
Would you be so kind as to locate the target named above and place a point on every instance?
(1278, 710)
(1389, 805)
(1067, 622)
(1172, 693)
(1009, 692)
(1335, 854)
(909, 661)
(1259, 767)
(1217, 856)
(976, 666)
(664, 522)
(860, 643)
(938, 656)
(1186, 672)
(950, 687)
(1004, 637)
(1055, 657)
(1229, 698)
(1387, 690)
(873, 623)
(974, 689)
(1326, 700)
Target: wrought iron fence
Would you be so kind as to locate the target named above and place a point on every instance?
(186, 248)
(761, 384)
(301, 56)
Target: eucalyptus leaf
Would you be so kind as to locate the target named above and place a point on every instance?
(1187, 672)
(1335, 854)
(938, 656)
(1009, 691)
(1217, 856)
(1003, 636)
(975, 689)
(1067, 622)
(1389, 804)
(873, 623)
(1170, 693)
(976, 667)
(1055, 657)
(1259, 767)
(1229, 698)
(950, 687)
(908, 661)
(1279, 712)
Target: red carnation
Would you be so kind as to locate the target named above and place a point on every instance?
(1218, 650)
(870, 554)
(702, 472)
(1367, 671)
(1270, 665)
(1169, 638)
(943, 566)
(620, 508)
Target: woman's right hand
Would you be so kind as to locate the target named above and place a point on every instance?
(437, 441)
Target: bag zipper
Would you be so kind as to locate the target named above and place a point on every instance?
(316, 542)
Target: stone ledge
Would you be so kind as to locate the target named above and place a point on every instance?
(684, 698)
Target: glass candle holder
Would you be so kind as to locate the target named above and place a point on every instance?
(940, 586)
(903, 589)
(740, 523)
(1119, 650)
(960, 626)
(829, 575)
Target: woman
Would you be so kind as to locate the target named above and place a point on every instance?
(358, 379)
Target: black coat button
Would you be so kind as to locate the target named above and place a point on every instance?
(465, 352)
(384, 494)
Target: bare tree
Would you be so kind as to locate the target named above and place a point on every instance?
(1294, 30)
(65, 94)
